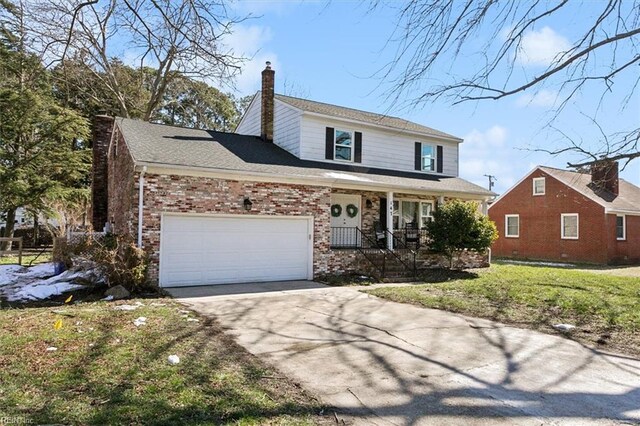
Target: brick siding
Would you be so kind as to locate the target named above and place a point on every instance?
(540, 236)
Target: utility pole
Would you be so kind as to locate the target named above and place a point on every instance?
(492, 181)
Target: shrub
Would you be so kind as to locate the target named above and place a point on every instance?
(458, 226)
(118, 257)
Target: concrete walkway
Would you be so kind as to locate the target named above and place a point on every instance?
(386, 363)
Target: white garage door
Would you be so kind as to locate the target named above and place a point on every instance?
(199, 250)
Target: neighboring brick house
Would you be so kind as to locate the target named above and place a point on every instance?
(554, 214)
(295, 193)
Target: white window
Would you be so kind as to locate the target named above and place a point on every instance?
(512, 225)
(408, 211)
(343, 145)
(428, 157)
(538, 186)
(621, 227)
(569, 224)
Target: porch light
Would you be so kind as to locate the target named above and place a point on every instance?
(369, 203)
(247, 204)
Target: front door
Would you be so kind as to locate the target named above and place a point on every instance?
(345, 218)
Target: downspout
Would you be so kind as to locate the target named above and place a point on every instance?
(140, 204)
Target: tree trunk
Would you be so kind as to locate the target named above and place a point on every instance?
(36, 229)
(8, 229)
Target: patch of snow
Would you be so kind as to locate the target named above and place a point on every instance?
(524, 262)
(52, 349)
(18, 283)
(193, 320)
(43, 270)
(173, 359)
(564, 327)
(8, 273)
(109, 298)
(140, 321)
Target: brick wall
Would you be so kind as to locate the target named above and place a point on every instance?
(540, 224)
(190, 194)
(627, 250)
(123, 188)
(101, 137)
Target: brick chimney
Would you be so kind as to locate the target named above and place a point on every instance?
(102, 131)
(266, 119)
(604, 175)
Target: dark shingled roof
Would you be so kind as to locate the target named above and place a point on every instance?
(628, 198)
(176, 146)
(363, 116)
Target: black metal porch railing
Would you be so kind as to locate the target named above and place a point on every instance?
(373, 246)
(351, 238)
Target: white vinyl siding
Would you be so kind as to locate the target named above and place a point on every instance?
(286, 125)
(380, 148)
(286, 128)
(569, 226)
(250, 123)
(539, 186)
(511, 226)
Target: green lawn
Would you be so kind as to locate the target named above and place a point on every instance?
(108, 371)
(605, 308)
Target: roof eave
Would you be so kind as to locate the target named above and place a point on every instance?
(313, 180)
(380, 126)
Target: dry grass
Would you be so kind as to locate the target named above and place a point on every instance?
(108, 371)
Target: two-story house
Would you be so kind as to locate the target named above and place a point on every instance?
(297, 191)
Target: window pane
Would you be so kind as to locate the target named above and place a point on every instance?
(396, 207)
(570, 226)
(539, 186)
(409, 212)
(343, 153)
(426, 216)
(343, 138)
(620, 227)
(512, 226)
(428, 157)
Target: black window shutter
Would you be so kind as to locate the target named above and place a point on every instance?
(357, 154)
(439, 159)
(418, 156)
(328, 150)
(383, 212)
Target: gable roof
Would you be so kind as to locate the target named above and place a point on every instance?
(362, 116)
(177, 147)
(627, 200)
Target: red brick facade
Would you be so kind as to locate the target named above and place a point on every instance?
(540, 226)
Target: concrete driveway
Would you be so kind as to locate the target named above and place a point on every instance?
(380, 362)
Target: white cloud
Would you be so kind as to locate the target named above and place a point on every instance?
(542, 47)
(250, 41)
(543, 98)
(486, 152)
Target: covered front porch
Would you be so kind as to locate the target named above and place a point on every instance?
(386, 231)
(381, 219)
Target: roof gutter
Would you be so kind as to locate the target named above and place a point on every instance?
(315, 181)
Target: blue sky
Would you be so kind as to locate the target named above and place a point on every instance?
(332, 52)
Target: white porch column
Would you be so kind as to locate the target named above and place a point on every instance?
(485, 207)
(390, 219)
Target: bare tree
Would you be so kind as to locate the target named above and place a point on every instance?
(436, 38)
(169, 36)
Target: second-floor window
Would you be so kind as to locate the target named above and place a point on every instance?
(428, 157)
(343, 145)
